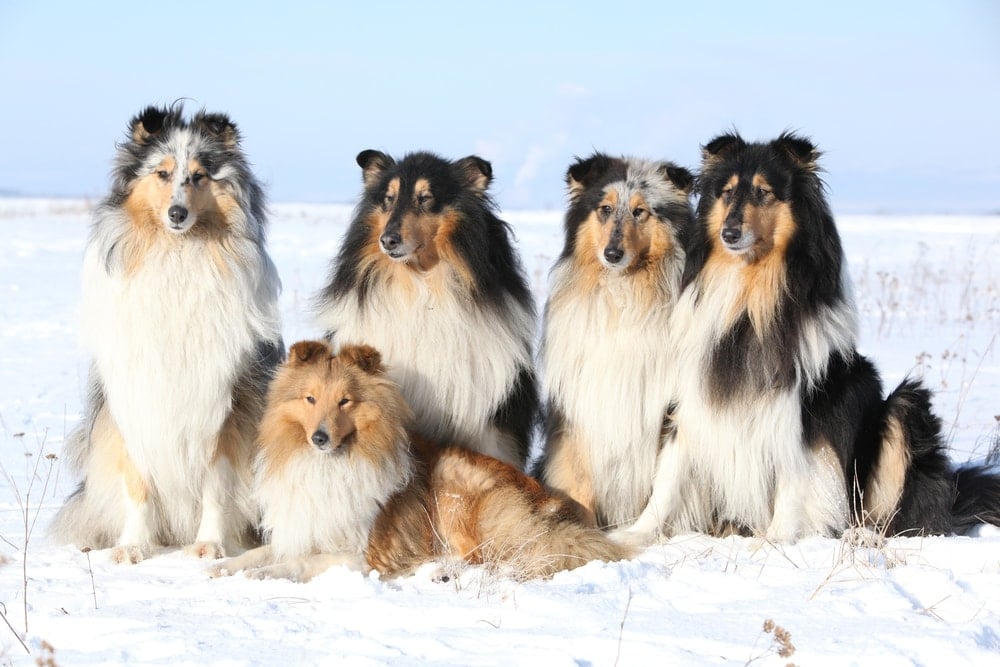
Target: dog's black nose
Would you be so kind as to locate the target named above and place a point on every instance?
(320, 438)
(177, 214)
(731, 234)
(391, 240)
(613, 255)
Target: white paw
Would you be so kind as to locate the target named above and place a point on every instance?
(279, 571)
(210, 550)
(130, 553)
(633, 539)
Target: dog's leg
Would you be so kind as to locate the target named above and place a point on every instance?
(789, 515)
(213, 536)
(568, 470)
(304, 568)
(252, 559)
(500, 445)
(136, 538)
(664, 501)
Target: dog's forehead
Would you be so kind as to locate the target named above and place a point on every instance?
(642, 180)
(188, 149)
(181, 146)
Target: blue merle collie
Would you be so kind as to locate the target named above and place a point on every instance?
(779, 427)
(605, 365)
(427, 273)
(180, 315)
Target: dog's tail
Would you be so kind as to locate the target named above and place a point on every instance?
(538, 541)
(977, 492)
(914, 470)
(488, 512)
(911, 488)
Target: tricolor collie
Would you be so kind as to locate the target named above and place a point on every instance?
(179, 304)
(780, 428)
(341, 482)
(428, 275)
(605, 362)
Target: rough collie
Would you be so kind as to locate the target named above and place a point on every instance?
(340, 481)
(427, 274)
(605, 365)
(179, 306)
(779, 427)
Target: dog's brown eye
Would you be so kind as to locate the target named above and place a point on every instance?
(387, 202)
(424, 198)
(344, 401)
(762, 192)
(311, 400)
(637, 213)
(164, 175)
(196, 177)
(605, 210)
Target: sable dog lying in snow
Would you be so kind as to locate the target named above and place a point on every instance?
(341, 482)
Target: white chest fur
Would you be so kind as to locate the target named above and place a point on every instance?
(168, 341)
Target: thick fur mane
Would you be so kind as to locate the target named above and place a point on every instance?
(784, 313)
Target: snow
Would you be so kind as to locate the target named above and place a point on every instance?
(928, 289)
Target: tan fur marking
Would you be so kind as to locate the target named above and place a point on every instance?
(647, 242)
(570, 472)
(885, 486)
(762, 268)
(110, 445)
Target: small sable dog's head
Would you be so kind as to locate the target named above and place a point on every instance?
(625, 212)
(328, 403)
(748, 191)
(414, 206)
(176, 175)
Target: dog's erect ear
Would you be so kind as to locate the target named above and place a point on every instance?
(365, 357)
(148, 124)
(475, 172)
(720, 148)
(584, 172)
(218, 125)
(373, 164)
(801, 150)
(681, 178)
(308, 352)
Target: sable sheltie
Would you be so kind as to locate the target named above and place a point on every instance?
(779, 427)
(341, 481)
(428, 275)
(605, 365)
(179, 305)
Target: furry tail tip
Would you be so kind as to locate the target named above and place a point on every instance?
(977, 497)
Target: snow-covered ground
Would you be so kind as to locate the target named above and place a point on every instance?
(929, 292)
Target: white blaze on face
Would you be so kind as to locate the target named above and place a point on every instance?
(175, 166)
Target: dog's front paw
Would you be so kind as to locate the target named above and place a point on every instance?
(208, 550)
(279, 571)
(130, 553)
(223, 569)
(633, 539)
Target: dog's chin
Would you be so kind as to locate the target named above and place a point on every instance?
(401, 255)
(742, 246)
(179, 228)
(329, 449)
(617, 267)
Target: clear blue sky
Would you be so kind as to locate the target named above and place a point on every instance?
(903, 97)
